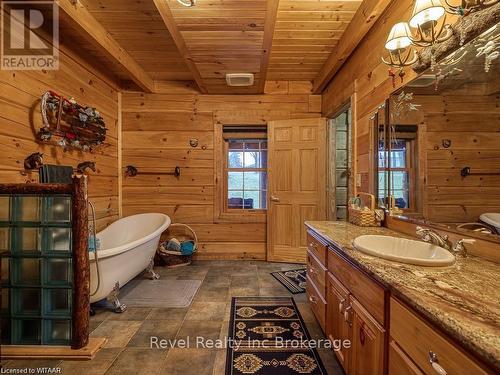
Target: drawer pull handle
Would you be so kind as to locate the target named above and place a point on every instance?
(341, 305)
(433, 360)
(312, 271)
(313, 300)
(347, 315)
(312, 245)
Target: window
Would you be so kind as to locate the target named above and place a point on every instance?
(245, 174)
(240, 173)
(401, 172)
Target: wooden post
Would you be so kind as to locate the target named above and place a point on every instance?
(81, 268)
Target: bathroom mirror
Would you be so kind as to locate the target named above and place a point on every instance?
(442, 143)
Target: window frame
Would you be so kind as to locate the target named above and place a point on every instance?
(227, 169)
(222, 213)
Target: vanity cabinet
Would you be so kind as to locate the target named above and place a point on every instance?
(353, 309)
(386, 336)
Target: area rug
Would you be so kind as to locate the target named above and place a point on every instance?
(159, 293)
(267, 336)
(293, 280)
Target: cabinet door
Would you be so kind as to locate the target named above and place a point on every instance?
(368, 339)
(400, 363)
(337, 328)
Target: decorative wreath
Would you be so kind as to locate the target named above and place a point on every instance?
(68, 124)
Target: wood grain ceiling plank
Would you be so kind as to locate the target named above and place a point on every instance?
(319, 6)
(169, 21)
(311, 25)
(227, 13)
(96, 34)
(267, 43)
(118, 5)
(364, 19)
(315, 16)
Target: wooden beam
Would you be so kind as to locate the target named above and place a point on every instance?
(364, 19)
(168, 19)
(96, 34)
(269, 25)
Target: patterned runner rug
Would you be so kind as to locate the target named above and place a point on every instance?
(267, 336)
(293, 280)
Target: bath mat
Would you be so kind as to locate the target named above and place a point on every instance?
(265, 331)
(293, 280)
(159, 293)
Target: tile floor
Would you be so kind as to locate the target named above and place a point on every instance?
(128, 348)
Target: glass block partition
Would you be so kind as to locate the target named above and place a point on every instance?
(37, 266)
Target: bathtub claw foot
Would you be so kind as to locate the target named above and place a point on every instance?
(118, 307)
(153, 275)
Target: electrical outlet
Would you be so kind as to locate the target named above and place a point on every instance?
(358, 179)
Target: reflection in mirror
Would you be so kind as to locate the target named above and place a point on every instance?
(443, 150)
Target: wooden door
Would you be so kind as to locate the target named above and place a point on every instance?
(368, 342)
(296, 184)
(337, 328)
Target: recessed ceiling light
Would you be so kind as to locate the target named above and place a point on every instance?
(187, 3)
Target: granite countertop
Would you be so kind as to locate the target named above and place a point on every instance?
(462, 299)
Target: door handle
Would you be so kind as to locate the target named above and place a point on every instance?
(274, 199)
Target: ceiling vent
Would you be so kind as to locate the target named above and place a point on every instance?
(239, 79)
(425, 80)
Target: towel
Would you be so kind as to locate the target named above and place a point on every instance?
(56, 174)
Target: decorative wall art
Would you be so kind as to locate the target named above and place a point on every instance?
(71, 125)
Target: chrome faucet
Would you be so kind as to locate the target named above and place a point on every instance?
(428, 235)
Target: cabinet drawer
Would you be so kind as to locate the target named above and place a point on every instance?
(417, 339)
(316, 247)
(316, 272)
(317, 302)
(368, 292)
(400, 363)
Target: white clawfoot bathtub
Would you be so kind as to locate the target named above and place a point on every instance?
(127, 248)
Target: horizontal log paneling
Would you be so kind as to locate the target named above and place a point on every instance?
(180, 213)
(20, 119)
(156, 134)
(232, 250)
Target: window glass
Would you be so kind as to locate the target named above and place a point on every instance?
(246, 174)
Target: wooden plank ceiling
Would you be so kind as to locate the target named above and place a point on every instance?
(306, 33)
(138, 27)
(273, 39)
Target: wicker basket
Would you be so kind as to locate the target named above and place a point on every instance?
(169, 258)
(365, 216)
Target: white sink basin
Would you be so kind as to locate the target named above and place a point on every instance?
(404, 251)
(491, 218)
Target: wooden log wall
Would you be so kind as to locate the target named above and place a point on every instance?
(157, 129)
(472, 124)
(20, 118)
